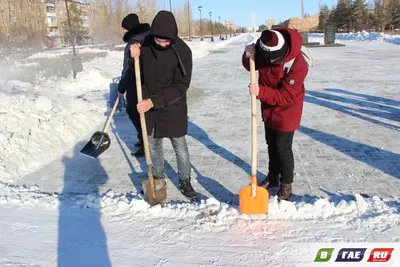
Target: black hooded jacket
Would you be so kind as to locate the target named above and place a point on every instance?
(166, 77)
(128, 83)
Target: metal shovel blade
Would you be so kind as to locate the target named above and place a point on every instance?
(99, 142)
(156, 195)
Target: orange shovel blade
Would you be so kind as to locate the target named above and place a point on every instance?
(249, 204)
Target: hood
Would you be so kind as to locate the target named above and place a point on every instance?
(294, 42)
(142, 28)
(164, 25)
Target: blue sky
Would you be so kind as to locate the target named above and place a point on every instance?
(240, 10)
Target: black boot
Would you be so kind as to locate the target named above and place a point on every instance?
(285, 192)
(138, 153)
(139, 143)
(186, 189)
(272, 180)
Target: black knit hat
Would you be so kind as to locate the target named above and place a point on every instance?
(130, 22)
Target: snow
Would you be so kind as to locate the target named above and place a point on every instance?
(203, 48)
(358, 36)
(43, 104)
(338, 207)
(56, 53)
(67, 210)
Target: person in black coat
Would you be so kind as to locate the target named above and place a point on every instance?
(134, 32)
(166, 66)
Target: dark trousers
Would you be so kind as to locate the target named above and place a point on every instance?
(280, 153)
(134, 115)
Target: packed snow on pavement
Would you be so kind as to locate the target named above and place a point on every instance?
(351, 116)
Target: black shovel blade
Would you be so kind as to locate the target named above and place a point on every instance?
(99, 142)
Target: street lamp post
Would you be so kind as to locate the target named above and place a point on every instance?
(71, 37)
(219, 27)
(226, 30)
(190, 38)
(201, 28)
(212, 34)
(75, 61)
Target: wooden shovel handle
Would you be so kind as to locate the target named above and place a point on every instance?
(143, 121)
(253, 79)
(111, 115)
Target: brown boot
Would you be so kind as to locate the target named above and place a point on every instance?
(285, 192)
(272, 180)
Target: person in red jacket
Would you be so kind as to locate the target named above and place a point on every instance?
(281, 93)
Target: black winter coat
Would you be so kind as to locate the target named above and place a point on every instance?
(166, 76)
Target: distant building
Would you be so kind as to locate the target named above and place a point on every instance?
(57, 12)
(269, 23)
(51, 19)
(230, 25)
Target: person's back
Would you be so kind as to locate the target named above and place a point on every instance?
(134, 32)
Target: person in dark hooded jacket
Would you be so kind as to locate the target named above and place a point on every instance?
(134, 32)
(166, 67)
(282, 95)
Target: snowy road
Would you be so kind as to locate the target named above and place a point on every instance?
(348, 141)
(346, 152)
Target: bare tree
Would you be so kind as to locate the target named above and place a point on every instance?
(23, 21)
(104, 19)
(122, 8)
(146, 10)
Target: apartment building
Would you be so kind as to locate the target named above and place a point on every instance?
(269, 23)
(230, 25)
(56, 13)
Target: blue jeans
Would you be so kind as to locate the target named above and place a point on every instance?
(182, 156)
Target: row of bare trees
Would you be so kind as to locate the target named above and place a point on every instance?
(357, 15)
(24, 22)
(105, 17)
(106, 21)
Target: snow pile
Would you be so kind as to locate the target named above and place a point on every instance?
(63, 52)
(338, 208)
(44, 111)
(361, 36)
(204, 48)
(35, 129)
(42, 118)
(26, 195)
(200, 49)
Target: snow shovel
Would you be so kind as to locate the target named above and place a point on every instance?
(155, 191)
(100, 141)
(253, 199)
